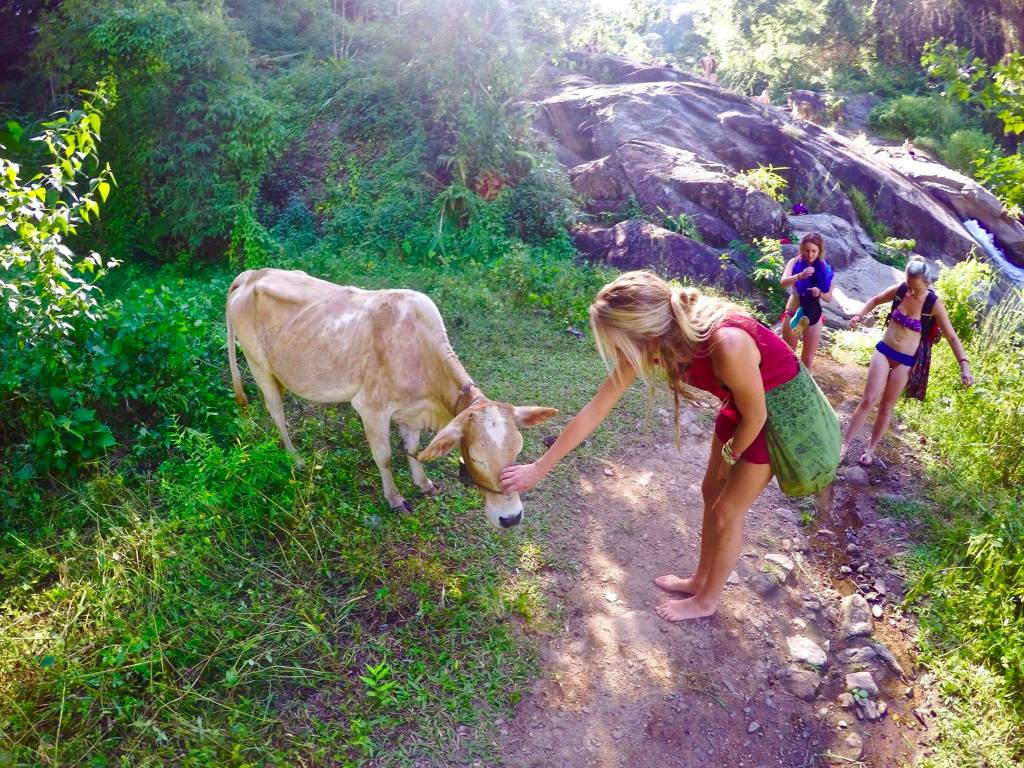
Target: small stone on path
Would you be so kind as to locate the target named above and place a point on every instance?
(764, 583)
(855, 617)
(862, 680)
(862, 655)
(849, 749)
(802, 683)
(782, 561)
(754, 727)
(876, 611)
(857, 476)
(610, 596)
(806, 650)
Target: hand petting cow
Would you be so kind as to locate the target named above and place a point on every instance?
(387, 353)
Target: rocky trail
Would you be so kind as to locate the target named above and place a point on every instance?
(808, 662)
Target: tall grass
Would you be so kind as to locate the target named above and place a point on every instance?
(968, 578)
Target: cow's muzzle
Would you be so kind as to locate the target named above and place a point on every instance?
(511, 520)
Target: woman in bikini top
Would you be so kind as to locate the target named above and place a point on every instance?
(895, 354)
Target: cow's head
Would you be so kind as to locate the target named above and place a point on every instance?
(488, 433)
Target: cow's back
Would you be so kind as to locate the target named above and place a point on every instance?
(328, 342)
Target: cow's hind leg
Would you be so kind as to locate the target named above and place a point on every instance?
(411, 441)
(273, 394)
(377, 427)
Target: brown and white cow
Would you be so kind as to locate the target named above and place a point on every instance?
(387, 353)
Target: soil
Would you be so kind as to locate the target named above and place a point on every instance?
(622, 687)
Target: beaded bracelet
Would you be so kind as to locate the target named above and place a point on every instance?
(727, 455)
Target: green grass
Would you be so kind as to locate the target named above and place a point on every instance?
(223, 607)
(962, 591)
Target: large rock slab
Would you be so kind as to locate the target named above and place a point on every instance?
(969, 199)
(637, 244)
(660, 135)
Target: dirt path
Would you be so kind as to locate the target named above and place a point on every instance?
(621, 687)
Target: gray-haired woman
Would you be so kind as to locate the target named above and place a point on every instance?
(916, 316)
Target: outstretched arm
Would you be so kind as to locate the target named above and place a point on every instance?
(522, 477)
(887, 295)
(966, 377)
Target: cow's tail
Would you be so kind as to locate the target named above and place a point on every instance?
(236, 378)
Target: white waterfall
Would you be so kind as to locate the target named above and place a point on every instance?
(1004, 265)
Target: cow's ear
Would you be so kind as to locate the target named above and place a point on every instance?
(532, 415)
(443, 441)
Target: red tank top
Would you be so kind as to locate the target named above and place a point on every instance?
(778, 362)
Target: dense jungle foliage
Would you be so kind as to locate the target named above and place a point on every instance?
(172, 588)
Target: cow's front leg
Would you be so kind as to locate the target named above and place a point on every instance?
(411, 442)
(377, 427)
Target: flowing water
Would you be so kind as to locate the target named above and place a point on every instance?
(1004, 265)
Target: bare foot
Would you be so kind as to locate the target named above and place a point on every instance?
(843, 449)
(672, 583)
(866, 459)
(680, 610)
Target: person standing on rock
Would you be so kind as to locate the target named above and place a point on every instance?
(903, 357)
(773, 417)
(709, 64)
(810, 278)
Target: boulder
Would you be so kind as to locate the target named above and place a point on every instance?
(637, 244)
(844, 242)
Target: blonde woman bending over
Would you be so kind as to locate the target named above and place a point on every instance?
(640, 323)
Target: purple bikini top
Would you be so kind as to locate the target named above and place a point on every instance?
(910, 323)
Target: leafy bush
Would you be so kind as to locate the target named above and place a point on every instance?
(50, 295)
(190, 135)
(908, 116)
(964, 289)
(550, 281)
(767, 179)
(539, 206)
(682, 224)
(962, 149)
(894, 251)
(1005, 177)
(765, 264)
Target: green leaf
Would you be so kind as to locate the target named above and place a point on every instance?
(61, 397)
(83, 414)
(47, 661)
(104, 190)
